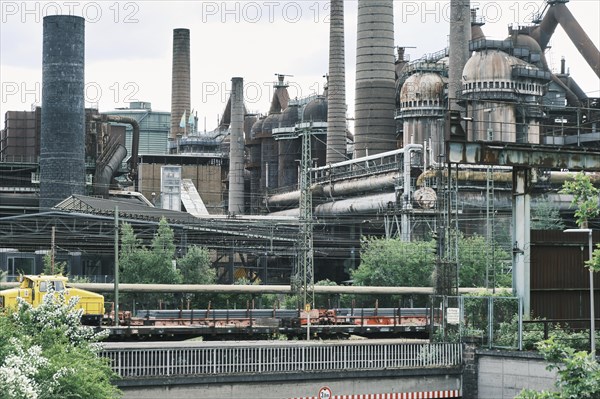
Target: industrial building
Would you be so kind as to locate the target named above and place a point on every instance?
(482, 128)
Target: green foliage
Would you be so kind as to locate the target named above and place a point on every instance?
(476, 324)
(578, 373)
(195, 267)
(395, 263)
(391, 262)
(594, 263)
(141, 265)
(533, 333)
(80, 279)
(58, 268)
(46, 353)
(585, 198)
(472, 256)
(545, 215)
(322, 301)
(163, 242)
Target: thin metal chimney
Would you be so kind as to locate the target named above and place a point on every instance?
(62, 153)
(180, 84)
(375, 127)
(460, 34)
(336, 96)
(236, 148)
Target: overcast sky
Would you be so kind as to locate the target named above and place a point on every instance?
(129, 47)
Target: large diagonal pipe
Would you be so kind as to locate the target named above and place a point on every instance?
(560, 14)
(135, 141)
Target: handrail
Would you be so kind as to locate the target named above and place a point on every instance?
(164, 359)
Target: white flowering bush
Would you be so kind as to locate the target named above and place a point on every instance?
(55, 314)
(20, 369)
(45, 353)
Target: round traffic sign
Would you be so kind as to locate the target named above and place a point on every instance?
(325, 393)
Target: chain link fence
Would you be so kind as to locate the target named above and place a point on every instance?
(490, 321)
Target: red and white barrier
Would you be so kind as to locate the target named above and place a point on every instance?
(399, 395)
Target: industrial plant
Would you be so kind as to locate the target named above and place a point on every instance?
(482, 129)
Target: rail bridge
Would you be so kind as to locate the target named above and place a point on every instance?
(288, 369)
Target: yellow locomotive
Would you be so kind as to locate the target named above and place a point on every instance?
(32, 289)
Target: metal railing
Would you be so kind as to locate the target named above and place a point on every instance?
(208, 358)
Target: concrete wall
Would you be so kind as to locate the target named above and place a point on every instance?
(505, 374)
(295, 385)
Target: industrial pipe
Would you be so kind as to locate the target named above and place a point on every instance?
(106, 172)
(572, 99)
(135, 141)
(252, 289)
(330, 190)
(560, 14)
(574, 87)
(504, 176)
(350, 186)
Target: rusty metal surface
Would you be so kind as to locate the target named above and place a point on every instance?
(535, 156)
(559, 281)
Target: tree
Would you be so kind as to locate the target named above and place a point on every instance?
(473, 263)
(594, 263)
(545, 215)
(141, 265)
(195, 267)
(145, 266)
(585, 198)
(578, 373)
(46, 353)
(392, 262)
(50, 269)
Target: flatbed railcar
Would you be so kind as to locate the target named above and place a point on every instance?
(245, 323)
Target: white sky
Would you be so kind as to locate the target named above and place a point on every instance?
(129, 47)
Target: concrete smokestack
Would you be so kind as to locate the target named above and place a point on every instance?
(180, 85)
(62, 153)
(236, 148)
(460, 34)
(336, 96)
(375, 127)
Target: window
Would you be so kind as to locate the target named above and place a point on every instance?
(20, 265)
(58, 285)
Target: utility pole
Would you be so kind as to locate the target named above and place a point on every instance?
(446, 233)
(52, 249)
(116, 266)
(304, 276)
